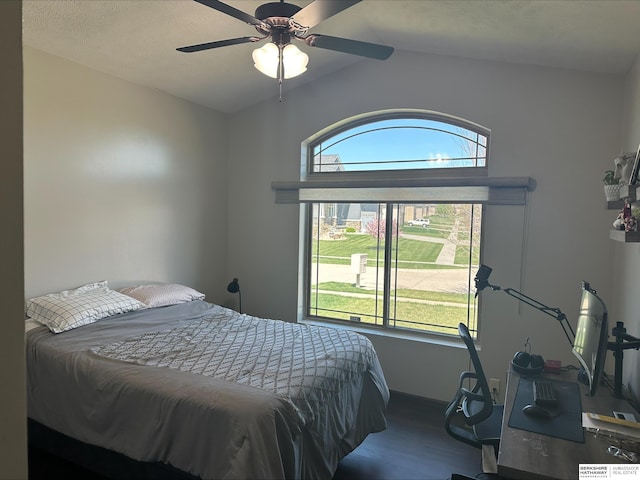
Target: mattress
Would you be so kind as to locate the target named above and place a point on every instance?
(209, 391)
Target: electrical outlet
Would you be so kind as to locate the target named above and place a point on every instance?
(494, 385)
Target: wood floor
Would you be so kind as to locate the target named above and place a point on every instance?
(414, 446)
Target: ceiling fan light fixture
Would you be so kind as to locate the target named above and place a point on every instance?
(295, 61)
(266, 59)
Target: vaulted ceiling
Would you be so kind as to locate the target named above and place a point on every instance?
(136, 40)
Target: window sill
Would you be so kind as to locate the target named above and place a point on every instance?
(441, 340)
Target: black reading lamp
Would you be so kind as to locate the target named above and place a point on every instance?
(623, 341)
(234, 287)
(482, 282)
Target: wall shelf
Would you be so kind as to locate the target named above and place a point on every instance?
(625, 237)
(628, 191)
(632, 194)
(614, 204)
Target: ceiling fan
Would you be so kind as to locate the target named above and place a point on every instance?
(284, 22)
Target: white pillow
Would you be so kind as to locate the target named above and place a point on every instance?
(30, 324)
(69, 309)
(162, 294)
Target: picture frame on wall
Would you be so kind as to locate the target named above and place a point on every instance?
(636, 167)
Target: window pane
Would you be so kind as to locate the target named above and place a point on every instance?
(347, 261)
(401, 144)
(432, 267)
(433, 251)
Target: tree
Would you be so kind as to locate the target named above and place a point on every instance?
(472, 145)
(377, 228)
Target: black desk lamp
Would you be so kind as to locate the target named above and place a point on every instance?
(623, 341)
(234, 287)
(482, 282)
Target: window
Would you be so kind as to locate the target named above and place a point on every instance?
(378, 266)
(392, 208)
(400, 144)
(393, 256)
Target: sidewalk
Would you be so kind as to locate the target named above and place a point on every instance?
(435, 280)
(453, 280)
(447, 254)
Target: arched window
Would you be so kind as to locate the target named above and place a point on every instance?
(391, 232)
(400, 143)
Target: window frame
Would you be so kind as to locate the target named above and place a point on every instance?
(308, 174)
(305, 291)
(432, 185)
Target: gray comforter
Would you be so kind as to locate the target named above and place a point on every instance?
(209, 391)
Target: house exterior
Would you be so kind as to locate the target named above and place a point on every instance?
(340, 216)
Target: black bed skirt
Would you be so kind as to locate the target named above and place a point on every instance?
(104, 463)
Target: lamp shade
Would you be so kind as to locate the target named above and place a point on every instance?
(234, 286)
(295, 61)
(267, 60)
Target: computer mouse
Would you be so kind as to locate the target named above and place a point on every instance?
(536, 411)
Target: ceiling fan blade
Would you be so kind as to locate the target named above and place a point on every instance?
(234, 12)
(220, 43)
(320, 10)
(354, 47)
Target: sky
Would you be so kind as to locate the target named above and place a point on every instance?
(423, 143)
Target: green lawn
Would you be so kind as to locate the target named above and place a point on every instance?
(369, 308)
(404, 293)
(410, 254)
(438, 318)
(462, 255)
(431, 231)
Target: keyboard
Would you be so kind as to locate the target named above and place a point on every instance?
(544, 393)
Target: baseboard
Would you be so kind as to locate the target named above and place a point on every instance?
(411, 398)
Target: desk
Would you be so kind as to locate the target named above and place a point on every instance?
(528, 456)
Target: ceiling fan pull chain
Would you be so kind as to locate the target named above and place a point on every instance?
(280, 68)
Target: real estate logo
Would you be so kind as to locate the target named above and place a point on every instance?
(591, 471)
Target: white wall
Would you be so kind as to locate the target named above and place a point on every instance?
(122, 182)
(626, 266)
(560, 127)
(13, 421)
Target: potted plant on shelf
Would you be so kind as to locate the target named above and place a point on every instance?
(611, 186)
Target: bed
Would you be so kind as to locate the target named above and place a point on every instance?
(204, 389)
